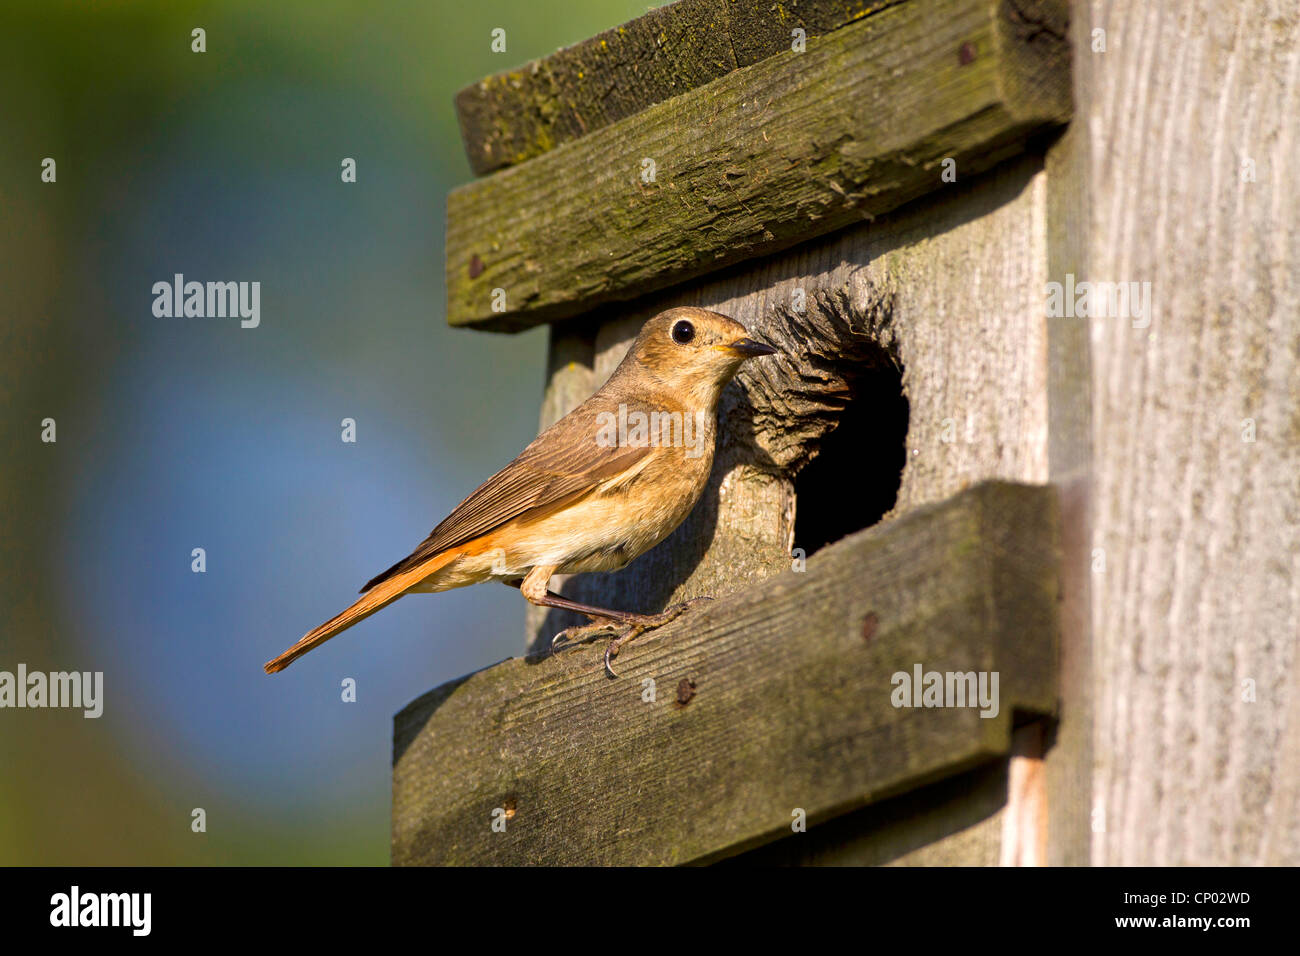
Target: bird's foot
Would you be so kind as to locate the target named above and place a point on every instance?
(640, 623)
(622, 629)
(582, 634)
(648, 622)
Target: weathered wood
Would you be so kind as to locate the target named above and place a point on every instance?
(1190, 151)
(766, 701)
(1069, 761)
(785, 150)
(521, 113)
(952, 822)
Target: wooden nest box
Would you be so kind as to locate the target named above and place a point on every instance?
(884, 190)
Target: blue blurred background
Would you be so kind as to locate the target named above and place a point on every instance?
(183, 433)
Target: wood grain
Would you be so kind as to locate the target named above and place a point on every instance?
(517, 114)
(1199, 529)
(765, 702)
(788, 149)
(1069, 760)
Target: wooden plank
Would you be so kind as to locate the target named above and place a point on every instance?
(952, 822)
(766, 701)
(787, 149)
(520, 113)
(1069, 761)
(1191, 152)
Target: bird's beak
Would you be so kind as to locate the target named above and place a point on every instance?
(748, 348)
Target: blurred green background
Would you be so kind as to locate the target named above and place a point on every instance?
(178, 433)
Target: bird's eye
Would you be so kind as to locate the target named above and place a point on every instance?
(683, 332)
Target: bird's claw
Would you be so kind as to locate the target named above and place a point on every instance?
(629, 632)
(609, 654)
(581, 634)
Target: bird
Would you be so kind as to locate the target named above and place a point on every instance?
(600, 487)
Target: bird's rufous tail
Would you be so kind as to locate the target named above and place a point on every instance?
(373, 600)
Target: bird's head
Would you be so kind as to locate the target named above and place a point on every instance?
(694, 352)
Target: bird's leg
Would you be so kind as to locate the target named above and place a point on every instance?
(533, 587)
(551, 599)
(626, 624)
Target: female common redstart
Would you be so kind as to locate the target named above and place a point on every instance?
(601, 486)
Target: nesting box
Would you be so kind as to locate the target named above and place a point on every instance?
(897, 196)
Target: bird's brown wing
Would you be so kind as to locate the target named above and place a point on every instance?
(563, 462)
